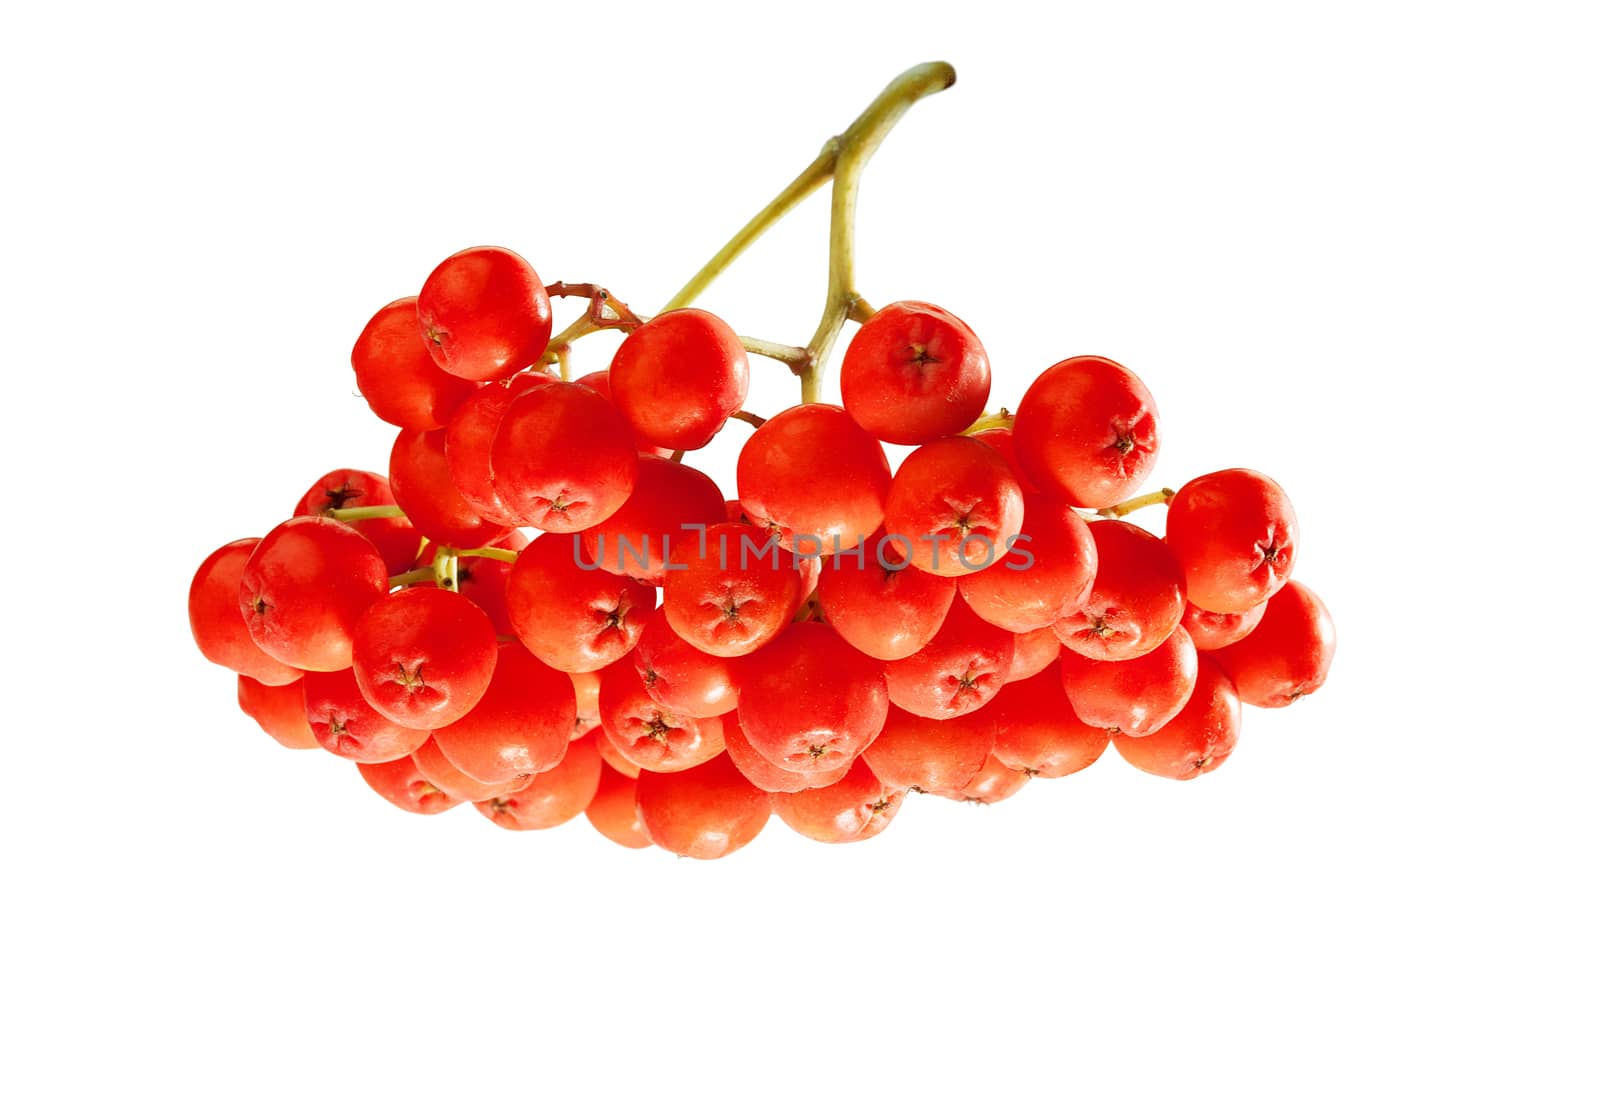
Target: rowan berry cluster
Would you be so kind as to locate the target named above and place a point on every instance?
(678, 665)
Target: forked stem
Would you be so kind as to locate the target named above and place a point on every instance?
(818, 172)
(841, 160)
(795, 357)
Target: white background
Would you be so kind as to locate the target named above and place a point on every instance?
(1350, 245)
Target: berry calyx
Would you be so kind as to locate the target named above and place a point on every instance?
(815, 479)
(220, 631)
(677, 378)
(522, 724)
(483, 314)
(1087, 432)
(809, 701)
(303, 588)
(396, 372)
(1288, 655)
(956, 504)
(1236, 537)
(914, 373)
(563, 459)
(857, 807)
(424, 656)
(1196, 740)
(1135, 602)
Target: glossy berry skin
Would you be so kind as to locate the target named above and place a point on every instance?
(962, 669)
(1136, 600)
(397, 374)
(1133, 697)
(761, 771)
(403, 785)
(1198, 739)
(484, 314)
(1037, 733)
(648, 733)
(1289, 653)
(938, 756)
(609, 753)
(469, 443)
(1087, 432)
(732, 595)
(811, 471)
(993, 783)
(614, 810)
(1235, 534)
(914, 373)
(437, 770)
(1215, 630)
(704, 812)
(667, 502)
(394, 537)
(419, 475)
(586, 694)
(424, 656)
(574, 619)
(304, 587)
(1000, 439)
(522, 724)
(551, 798)
(811, 702)
(682, 677)
(279, 709)
(346, 725)
(855, 808)
(1036, 651)
(563, 459)
(882, 605)
(601, 382)
(219, 630)
(677, 378)
(956, 506)
(1046, 575)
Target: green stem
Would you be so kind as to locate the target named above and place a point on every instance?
(841, 160)
(365, 513)
(504, 555)
(991, 421)
(819, 172)
(793, 356)
(600, 300)
(561, 345)
(411, 577)
(1154, 498)
(855, 147)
